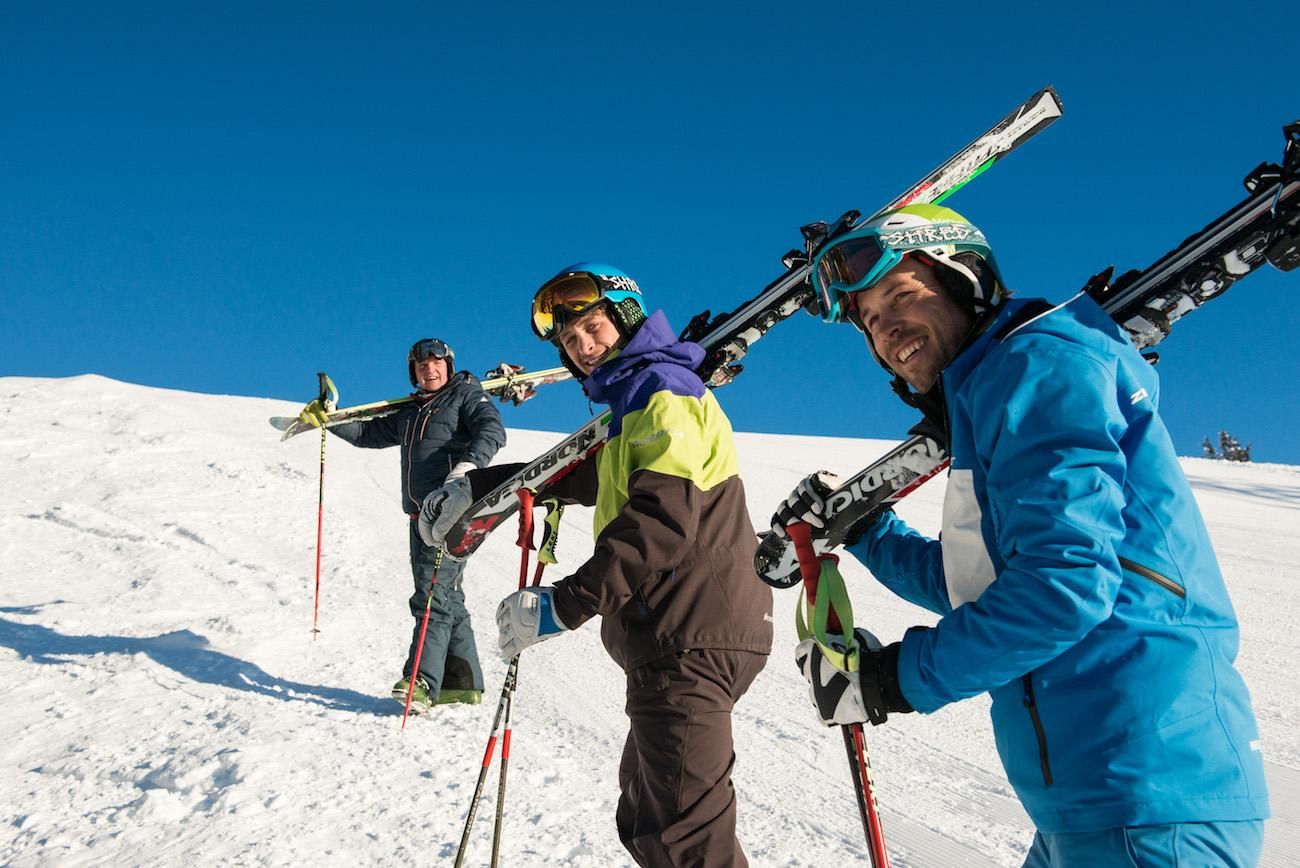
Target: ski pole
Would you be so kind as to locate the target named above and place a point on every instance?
(501, 781)
(814, 568)
(526, 502)
(328, 397)
(419, 646)
(525, 541)
(545, 555)
(526, 499)
(507, 688)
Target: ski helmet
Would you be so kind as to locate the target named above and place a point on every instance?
(579, 288)
(857, 260)
(429, 348)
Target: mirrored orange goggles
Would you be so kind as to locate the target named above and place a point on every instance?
(569, 294)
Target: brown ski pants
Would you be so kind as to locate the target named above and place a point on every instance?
(678, 807)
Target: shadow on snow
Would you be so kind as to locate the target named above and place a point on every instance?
(188, 654)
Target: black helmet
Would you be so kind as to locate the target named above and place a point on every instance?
(429, 348)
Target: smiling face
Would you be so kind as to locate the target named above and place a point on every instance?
(589, 339)
(431, 373)
(914, 325)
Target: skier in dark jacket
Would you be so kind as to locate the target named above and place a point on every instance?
(449, 429)
(682, 612)
(1075, 579)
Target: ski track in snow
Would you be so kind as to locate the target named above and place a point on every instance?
(167, 703)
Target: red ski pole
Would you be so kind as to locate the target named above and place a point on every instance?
(326, 387)
(502, 718)
(810, 567)
(419, 646)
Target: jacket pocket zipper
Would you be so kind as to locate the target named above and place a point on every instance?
(1151, 575)
(1032, 707)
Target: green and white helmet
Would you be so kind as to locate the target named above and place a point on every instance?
(940, 236)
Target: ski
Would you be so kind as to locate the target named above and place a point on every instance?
(1263, 229)
(728, 337)
(506, 382)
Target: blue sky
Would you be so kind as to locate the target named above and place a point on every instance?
(228, 198)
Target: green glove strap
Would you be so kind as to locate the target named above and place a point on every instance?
(550, 531)
(840, 649)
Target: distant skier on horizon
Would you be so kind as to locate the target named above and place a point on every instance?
(449, 429)
(1075, 579)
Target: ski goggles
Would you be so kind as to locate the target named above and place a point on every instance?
(430, 348)
(848, 265)
(569, 294)
(859, 259)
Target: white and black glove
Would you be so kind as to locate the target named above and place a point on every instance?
(842, 698)
(807, 503)
(460, 470)
(525, 618)
(442, 507)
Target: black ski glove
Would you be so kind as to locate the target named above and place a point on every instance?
(842, 698)
(806, 503)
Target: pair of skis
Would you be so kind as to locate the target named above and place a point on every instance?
(727, 338)
(505, 382)
(1263, 229)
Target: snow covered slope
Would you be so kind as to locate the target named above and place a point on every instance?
(165, 702)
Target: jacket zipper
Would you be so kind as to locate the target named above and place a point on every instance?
(1032, 707)
(424, 423)
(1147, 573)
(407, 446)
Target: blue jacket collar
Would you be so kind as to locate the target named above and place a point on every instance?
(965, 361)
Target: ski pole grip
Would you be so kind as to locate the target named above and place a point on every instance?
(525, 542)
(810, 567)
(329, 394)
(801, 536)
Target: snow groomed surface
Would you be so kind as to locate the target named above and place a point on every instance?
(166, 703)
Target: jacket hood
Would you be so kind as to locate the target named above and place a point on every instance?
(655, 342)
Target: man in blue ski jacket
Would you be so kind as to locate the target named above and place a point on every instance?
(1074, 578)
(450, 428)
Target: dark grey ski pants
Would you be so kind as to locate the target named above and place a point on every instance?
(449, 660)
(678, 807)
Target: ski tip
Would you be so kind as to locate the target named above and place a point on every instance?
(1050, 91)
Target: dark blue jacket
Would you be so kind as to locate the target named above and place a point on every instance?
(457, 423)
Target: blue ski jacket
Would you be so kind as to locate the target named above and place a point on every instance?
(1077, 585)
